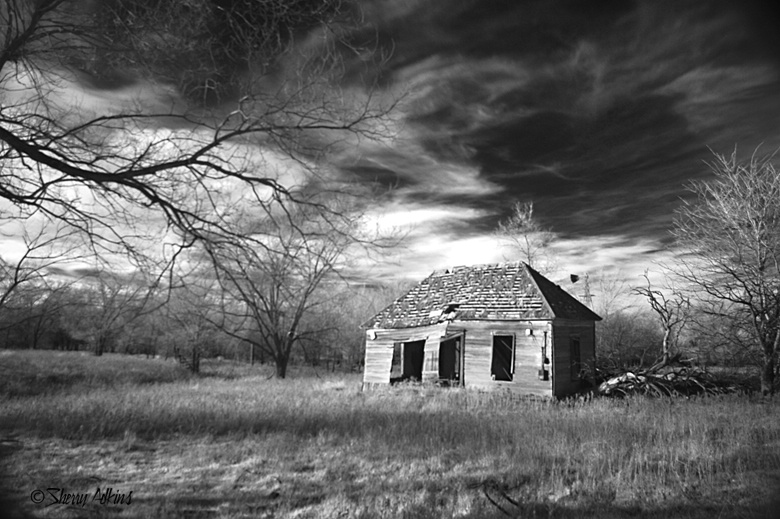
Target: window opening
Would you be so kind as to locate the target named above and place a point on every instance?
(502, 365)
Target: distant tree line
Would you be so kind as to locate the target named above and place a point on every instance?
(108, 313)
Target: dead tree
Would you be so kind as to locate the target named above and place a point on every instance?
(528, 237)
(673, 311)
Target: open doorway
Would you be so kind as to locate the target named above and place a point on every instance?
(414, 353)
(450, 361)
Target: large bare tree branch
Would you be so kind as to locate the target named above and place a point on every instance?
(182, 165)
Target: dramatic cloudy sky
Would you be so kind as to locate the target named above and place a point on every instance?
(597, 111)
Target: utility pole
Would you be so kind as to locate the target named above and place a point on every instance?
(588, 297)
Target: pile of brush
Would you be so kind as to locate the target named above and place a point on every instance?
(684, 381)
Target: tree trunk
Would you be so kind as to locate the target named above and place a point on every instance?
(195, 367)
(665, 347)
(281, 366)
(768, 374)
(251, 354)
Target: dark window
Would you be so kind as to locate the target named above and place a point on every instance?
(576, 361)
(502, 365)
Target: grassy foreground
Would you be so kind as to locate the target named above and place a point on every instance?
(234, 443)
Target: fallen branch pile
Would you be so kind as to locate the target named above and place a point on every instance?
(678, 382)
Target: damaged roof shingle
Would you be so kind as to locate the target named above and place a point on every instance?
(504, 291)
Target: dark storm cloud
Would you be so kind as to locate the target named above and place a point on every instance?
(211, 52)
(486, 29)
(598, 111)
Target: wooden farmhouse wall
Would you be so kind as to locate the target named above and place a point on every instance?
(379, 349)
(573, 339)
(478, 352)
(569, 346)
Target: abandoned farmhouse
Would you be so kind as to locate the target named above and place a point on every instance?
(486, 326)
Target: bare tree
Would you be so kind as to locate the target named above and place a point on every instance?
(337, 339)
(236, 86)
(673, 311)
(628, 339)
(611, 291)
(112, 301)
(528, 237)
(279, 283)
(730, 237)
(43, 246)
(194, 320)
(723, 342)
(35, 312)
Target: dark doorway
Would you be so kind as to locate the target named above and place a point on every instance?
(502, 366)
(449, 360)
(413, 359)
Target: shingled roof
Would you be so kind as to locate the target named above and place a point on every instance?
(504, 291)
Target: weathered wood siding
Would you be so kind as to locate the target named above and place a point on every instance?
(478, 350)
(379, 361)
(431, 358)
(563, 333)
(379, 351)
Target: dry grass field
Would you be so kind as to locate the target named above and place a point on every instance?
(235, 443)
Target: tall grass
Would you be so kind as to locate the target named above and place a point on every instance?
(599, 453)
(30, 373)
